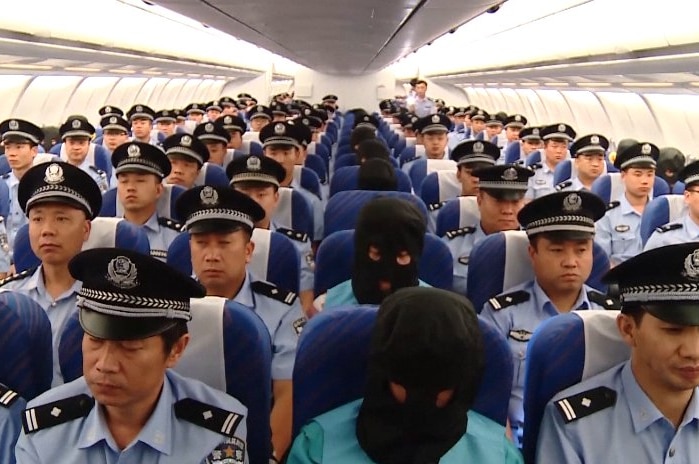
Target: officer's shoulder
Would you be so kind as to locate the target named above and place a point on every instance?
(509, 299)
(669, 227)
(536, 166)
(436, 206)
(293, 234)
(170, 224)
(451, 234)
(98, 170)
(603, 300)
(270, 290)
(19, 276)
(564, 185)
(613, 204)
(7, 396)
(209, 416)
(585, 403)
(61, 411)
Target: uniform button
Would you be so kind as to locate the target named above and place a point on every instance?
(53, 304)
(672, 452)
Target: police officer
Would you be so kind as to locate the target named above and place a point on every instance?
(187, 155)
(216, 139)
(220, 222)
(685, 229)
(109, 110)
(279, 112)
(260, 178)
(115, 131)
(646, 409)
(513, 126)
(619, 232)
(165, 122)
(529, 142)
(60, 200)
(432, 135)
(588, 155)
(423, 105)
(500, 197)
(235, 125)
(141, 118)
(78, 150)
(213, 110)
(556, 138)
(478, 118)
(195, 116)
(140, 169)
(469, 156)
(128, 405)
(259, 116)
(228, 106)
(560, 227)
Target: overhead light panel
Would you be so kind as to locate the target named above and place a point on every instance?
(647, 84)
(152, 73)
(122, 71)
(37, 67)
(529, 84)
(594, 84)
(193, 75)
(556, 84)
(175, 74)
(81, 69)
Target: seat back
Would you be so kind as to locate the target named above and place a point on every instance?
(308, 179)
(564, 351)
(4, 165)
(316, 164)
(294, 211)
(333, 353)
(106, 232)
(500, 261)
(211, 174)
(610, 188)
(514, 153)
(660, 211)
(438, 187)
(343, 160)
(423, 166)
(112, 207)
(274, 258)
(347, 178)
(343, 209)
(25, 345)
(457, 213)
(335, 258)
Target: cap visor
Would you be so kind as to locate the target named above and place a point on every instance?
(506, 195)
(681, 314)
(63, 201)
(209, 226)
(123, 328)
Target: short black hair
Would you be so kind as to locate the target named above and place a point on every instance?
(172, 335)
(420, 81)
(360, 134)
(557, 237)
(373, 148)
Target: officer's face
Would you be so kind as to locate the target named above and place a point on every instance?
(217, 151)
(528, 146)
(128, 375)
(664, 356)
(267, 197)
(76, 149)
(555, 151)
(196, 117)
(421, 89)
(236, 140)
(691, 198)
(20, 154)
(229, 109)
(166, 127)
(256, 124)
(138, 191)
(493, 130)
(213, 114)
(638, 182)
(219, 260)
(184, 171)
(512, 133)
(285, 155)
(57, 232)
(435, 143)
(141, 127)
(469, 183)
(589, 165)
(477, 126)
(114, 138)
(561, 266)
(498, 215)
(459, 119)
(278, 117)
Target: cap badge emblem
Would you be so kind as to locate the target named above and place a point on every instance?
(510, 174)
(518, 118)
(307, 111)
(208, 196)
(305, 121)
(594, 140)
(561, 128)
(134, 151)
(279, 129)
(435, 119)
(122, 272)
(478, 147)
(186, 141)
(227, 120)
(254, 163)
(572, 203)
(75, 124)
(54, 174)
(260, 109)
(139, 108)
(209, 127)
(645, 149)
(113, 120)
(691, 266)
(535, 131)
(107, 109)
(14, 125)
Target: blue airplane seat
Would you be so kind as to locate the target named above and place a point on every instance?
(408, 154)
(457, 213)
(347, 179)
(336, 254)
(251, 147)
(678, 188)
(610, 188)
(102, 157)
(332, 357)
(421, 167)
(106, 232)
(294, 211)
(350, 159)
(533, 158)
(660, 211)
(560, 354)
(513, 153)
(343, 209)
(274, 259)
(111, 206)
(4, 165)
(25, 346)
(500, 261)
(308, 179)
(211, 174)
(399, 146)
(317, 164)
(436, 190)
(244, 372)
(4, 200)
(566, 169)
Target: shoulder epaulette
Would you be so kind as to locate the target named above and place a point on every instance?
(613, 205)
(603, 300)
(459, 232)
(170, 224)
(407, 160)
(586, 403)
(509, 299)
(293, 234)
(669, 227)
(563, 185)
(98, 171)
(436, 206)
(56, 413)
(6, 175)
(7, 396)
(536, 166)
(210, 417)
(18, 276)
(158, 254)
(272, 291)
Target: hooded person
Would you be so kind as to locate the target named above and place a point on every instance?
(670, 163)
(377, 174)
(418, 395)
(388, 242)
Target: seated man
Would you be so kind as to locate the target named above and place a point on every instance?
(388, 242)
(432, 132)
(416, 404)
(377, 174)
(187, 155)
(646, 409)
(220, 222)
(687, 228)
(588, 155)
(78, 150)
(556, 138)
(115, 131)
(216, 139)
(500, 197)
(560, 227)
(129, 405)
(469, 156)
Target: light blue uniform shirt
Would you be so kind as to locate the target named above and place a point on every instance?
(284, 323)
(342, 294)
(424, 107)
(331, 438)
(541, 183)
(460, 248)
(164, 438)
(10, 425)
(633, 430)
(571, 185)
(58, 310)
(16, 219)
(306, 264)
(688, 231)
(159, 237)
(619, 232)
(517, 323)
(316, 206)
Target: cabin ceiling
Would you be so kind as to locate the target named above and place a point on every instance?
(345, 37)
